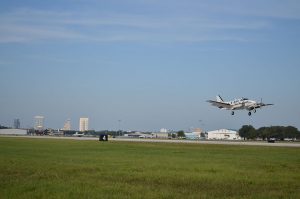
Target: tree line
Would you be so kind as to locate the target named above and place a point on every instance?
(277, 132)
(4, 127)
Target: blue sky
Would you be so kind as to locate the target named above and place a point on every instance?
(152, 64)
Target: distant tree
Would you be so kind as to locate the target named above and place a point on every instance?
(263, 133)
(3, 127)
(252, 134)
(247, 132)
(278, 132)
(180, 134)
(173, 135)
(275, 132)
(291, 132)
(90, 132)
(69, 132)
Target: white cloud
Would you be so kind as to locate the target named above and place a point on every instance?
(278, 9)
(26, 33)
(26, 25)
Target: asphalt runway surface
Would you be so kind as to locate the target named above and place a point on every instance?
(222, 142)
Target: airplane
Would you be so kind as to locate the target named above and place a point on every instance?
(78, 134)
(238, 104)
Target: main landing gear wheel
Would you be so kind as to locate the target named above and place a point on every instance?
(254, 110)
(232, 113)
(249, 113)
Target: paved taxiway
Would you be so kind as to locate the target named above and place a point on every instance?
(249, 143)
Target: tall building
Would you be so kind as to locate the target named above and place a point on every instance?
(83, 124)
(39, 122)
(67, 125)
(17, 123)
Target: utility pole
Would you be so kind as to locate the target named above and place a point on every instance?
(119, 130)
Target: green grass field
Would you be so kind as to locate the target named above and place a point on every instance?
(47, 168)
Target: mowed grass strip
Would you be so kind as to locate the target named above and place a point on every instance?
(47, 168)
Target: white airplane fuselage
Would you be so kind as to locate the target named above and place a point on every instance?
(237, 104)
(240, 104)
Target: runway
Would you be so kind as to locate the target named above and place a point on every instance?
(221, 142)
(248, 143)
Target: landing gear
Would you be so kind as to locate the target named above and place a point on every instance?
(249, 113)
(232, 112)
(254, 110)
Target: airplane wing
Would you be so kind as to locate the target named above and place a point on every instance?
(221, 105)
(259, 105)
(263, 104)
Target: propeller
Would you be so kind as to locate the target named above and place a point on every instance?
(263, 104)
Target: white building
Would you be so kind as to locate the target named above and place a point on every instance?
(196, 134)
(160, 135)
(13, 132)
(193, 135)
(83, 124)
(163, 130)
(223, 134)
(39, 122)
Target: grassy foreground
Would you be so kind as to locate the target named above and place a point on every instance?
(46, 168)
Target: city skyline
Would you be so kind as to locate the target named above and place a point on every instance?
(150, 64)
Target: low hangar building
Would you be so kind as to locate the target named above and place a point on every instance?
(13, 132)
(223, 134)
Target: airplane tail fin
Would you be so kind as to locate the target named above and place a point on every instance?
(219, 98)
